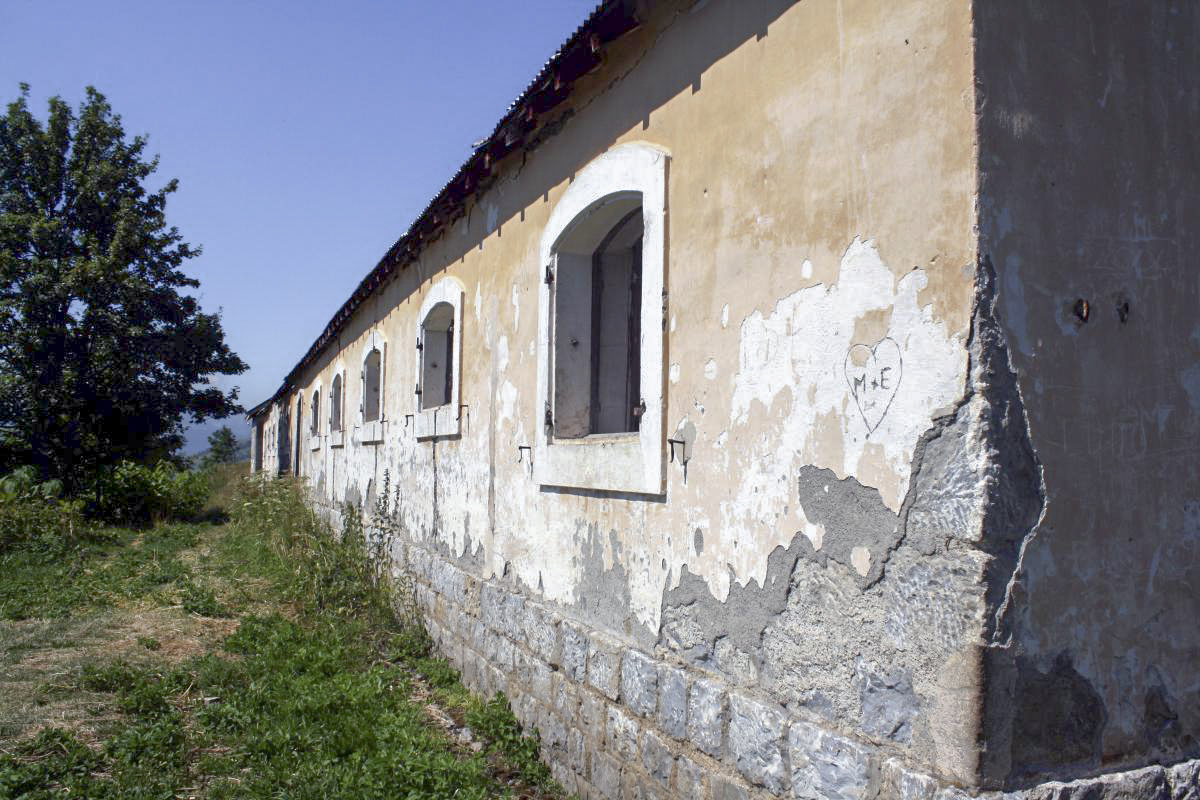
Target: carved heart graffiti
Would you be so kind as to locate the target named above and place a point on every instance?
(873, 375)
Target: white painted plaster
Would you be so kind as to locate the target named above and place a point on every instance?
(798, 354)
(815, 534)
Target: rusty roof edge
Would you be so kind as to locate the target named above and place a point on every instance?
(579, 54)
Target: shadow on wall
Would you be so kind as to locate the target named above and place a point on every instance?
(1089, 204)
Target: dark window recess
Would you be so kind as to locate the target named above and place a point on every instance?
(335, 404)
(437, 356)
(299, 427)
(617, 328)
(371, 385)
(596, 318)
(283, 443)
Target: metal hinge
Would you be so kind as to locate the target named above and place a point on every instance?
(639, 409)
(549, 279)
(549, 422)
(420, 346)
(418, 389)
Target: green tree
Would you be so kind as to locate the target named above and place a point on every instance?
(222, 446)
(103, 353)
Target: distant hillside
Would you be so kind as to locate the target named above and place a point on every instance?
(196, 436)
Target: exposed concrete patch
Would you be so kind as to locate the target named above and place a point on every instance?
(858, 529)
(602, 597)
(692, 619)
(803, 664)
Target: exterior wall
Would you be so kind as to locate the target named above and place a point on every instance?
(820, 229)
(267, 426)
(1089, 194)
(813, 605)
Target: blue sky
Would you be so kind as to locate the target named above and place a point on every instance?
(305, 136)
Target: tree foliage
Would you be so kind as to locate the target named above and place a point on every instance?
(103, 353)
(222, 446)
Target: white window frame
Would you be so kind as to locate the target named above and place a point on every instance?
(444, 420)
(337, 438)
(633, 462)
(371, 432)
(314, 436)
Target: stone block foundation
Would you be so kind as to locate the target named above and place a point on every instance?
(616, 722)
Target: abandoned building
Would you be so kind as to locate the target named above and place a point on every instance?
(802, 399)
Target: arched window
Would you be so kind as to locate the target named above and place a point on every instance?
(437, 356)
(439, 360)
(335, 404)
(597, 321)
(601, 312)
(315, 423)
(372, 385)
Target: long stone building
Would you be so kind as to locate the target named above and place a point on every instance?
(802, 399)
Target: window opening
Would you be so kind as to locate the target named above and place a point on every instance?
(437, 356)
(616, 327)
(315, 428)
(597, 321)
(258, 448)
(371, 373)
(335, 404)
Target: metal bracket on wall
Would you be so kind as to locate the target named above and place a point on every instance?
(683, 458)
(521, 450)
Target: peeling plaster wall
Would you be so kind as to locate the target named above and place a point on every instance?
(1090, 214)
(818, 545)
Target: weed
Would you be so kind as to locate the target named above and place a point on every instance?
(149, 642)
(495, 723)
(201, 600)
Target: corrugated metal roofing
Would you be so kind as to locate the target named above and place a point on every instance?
(581, 53)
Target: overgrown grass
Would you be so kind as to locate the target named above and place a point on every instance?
(103, 569)
(319, 693)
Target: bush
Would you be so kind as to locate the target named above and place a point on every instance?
(32, 514)
(134, 494)
(51, 527)
(22, 484)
